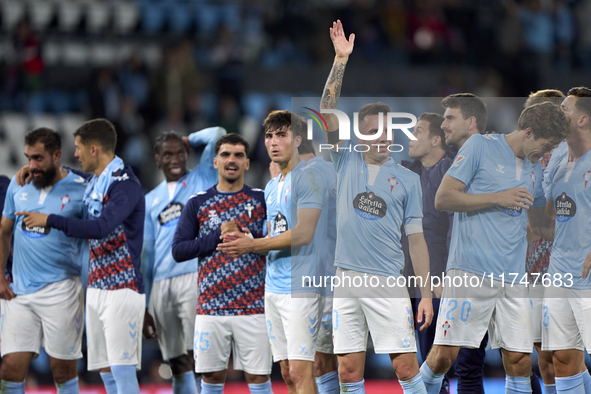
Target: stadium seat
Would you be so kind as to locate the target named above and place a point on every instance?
(206, 18)
(41, 14)
(15, 126)
(98, 15)
(180, 18)
(103, 54)
(12, 12)
(69, 123)
(44, 120)
(75, 53)
(154, 16)
(125, 17)
(69, 15)
(51, 52)
(152, 55)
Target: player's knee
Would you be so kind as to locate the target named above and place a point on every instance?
(286, 374)
(12, 370)
(518, 364)
(299, 371)
(349, 373)
(324, 363)
(63, 370)
(440, 358)
(406, 371)
(214, 377)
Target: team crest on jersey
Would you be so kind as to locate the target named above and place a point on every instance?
(214, 218)
(171, 214)
(393, 182)
(35, 232)
(565, 208)
(280, 224)
(457, 161)
(249, 208)
(370, 206)
(65, 199)
(587, 177)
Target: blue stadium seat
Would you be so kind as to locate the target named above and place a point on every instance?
(180, 18)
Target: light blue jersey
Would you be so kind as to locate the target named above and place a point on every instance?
(330, 177)
(163, 212)
(303, 188)
(371, 211)
(492, 240)
(43, 255)
(568, 186)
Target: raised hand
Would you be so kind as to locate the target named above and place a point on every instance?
(516, 197)
(342, 46)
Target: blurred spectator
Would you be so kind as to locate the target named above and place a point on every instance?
(428, 34)
(25, 75)
(133, 77)
(104, 95)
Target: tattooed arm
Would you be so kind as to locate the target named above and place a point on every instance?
(332, 89)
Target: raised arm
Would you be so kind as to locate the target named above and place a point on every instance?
(334, 83)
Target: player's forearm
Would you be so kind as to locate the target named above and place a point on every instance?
(457, 201)
(206, 136)
(4, 252)
(419, 255)
(188, 249)
(540, 224)
(280, 242)
(332, 92)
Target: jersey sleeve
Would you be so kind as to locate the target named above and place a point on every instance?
(467, 160)
(310, 189)
(187, 244)
(539, 196)
(9, 208)
(413, 205)
(549, 172)
(123, 197)
(338, 158)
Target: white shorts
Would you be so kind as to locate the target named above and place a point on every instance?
(114, 322)
(536, 296)
(292, 325)
(52, 317)
(172, 305)
(566, 319)
(389, 320)
(244, 336)
(465, 314)
(325, 343)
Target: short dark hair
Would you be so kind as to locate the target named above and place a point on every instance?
(284, 119)
(51, 140)
(554, 96)
(435, 130)
(232, 139)
(373, 109)
(546, 121)
(306, 147)
(470, 105)
(165, 137)
(99, 131)
(582, 92)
